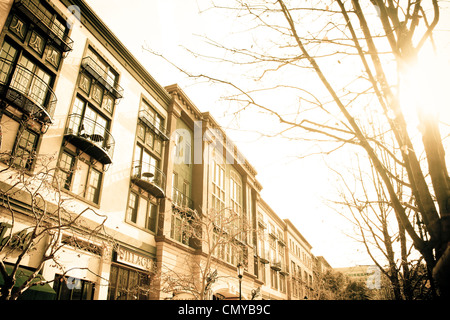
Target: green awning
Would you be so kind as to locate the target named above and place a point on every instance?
(36, 292)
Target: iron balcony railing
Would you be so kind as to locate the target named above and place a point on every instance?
(155, 125)
(150, 178)
(101, 76)
(90, 137)
(182, 200)
(27, 91)
(45, 22)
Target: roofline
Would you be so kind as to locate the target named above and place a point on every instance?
(206, 116)
(118, 49)
(266, 206)
(292, 226)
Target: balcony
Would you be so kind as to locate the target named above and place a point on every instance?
(56, 33)
(262, 224)
(90, 137)
(284, 269)
(149, 178)
(264, 256)
(157, 127)
(275, 265)
(181, 200)
(102, 77)
(281, 240)
(27, 91)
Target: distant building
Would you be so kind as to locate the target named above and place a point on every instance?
(322, 265)
(370, 275)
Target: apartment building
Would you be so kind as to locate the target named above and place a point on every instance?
(168, 206)
(301, 262)
(272, 269)
(206, 230)
(76, 96)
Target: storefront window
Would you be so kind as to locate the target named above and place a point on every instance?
(128, 284)
(69, 288)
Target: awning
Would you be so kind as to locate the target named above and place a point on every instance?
(226, 294)
(36, 292)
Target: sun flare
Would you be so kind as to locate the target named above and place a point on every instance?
(425, 87)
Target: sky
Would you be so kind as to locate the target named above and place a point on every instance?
(296, 189)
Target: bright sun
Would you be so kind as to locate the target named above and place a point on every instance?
(425, 87)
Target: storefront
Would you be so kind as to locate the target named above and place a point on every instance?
(131, 275)
(70, 288)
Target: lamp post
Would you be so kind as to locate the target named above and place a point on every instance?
(240, 272)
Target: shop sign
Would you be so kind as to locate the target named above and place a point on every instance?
(133, 259)
(18, 240)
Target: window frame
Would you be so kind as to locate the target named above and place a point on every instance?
(143, 206)
(149, 137)
(132, 210)
(68, 172)
(143, 281)
(86, 285)
(218, 186)
(98, 189)
(151, 218)
(30, 162)
(178, 225)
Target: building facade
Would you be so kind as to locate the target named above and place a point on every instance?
(169, 205)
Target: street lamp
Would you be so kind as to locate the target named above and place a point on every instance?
(240, 272)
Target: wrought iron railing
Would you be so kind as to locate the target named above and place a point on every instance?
(153, 123)
(92, 132)
(182, 200)
(55, 31)
(149, 174)
(39, 96)
(102, 76)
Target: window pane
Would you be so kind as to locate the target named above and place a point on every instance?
(122, 284)
(88, 291)
(133, 286)
(68, 288)
(112, 283)
(22, 76)
(25, 148)
(76, 292)
(7, 53)
(39, 86)
(93, 190)
(144, 285)
(132, 207)
(66, 165)
(151, 221)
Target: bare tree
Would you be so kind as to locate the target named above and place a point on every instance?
(377, 227)
(339, 66)
(215, 235)
(34, 203)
